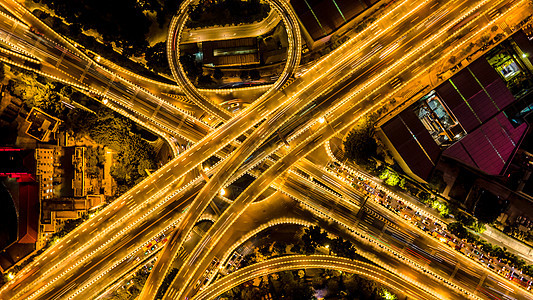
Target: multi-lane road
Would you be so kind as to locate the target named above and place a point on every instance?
(99, 244)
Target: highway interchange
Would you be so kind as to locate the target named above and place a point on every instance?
(176, 195)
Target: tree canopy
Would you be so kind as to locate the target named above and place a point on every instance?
(360, 144)
(488, 207)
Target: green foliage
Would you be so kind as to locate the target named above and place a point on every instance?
(314, 237)
(166, 283)
(36, 91)
(391, 177)
(156, 58)
(111, 130)
(495, 251)
(94, 160)
(218, 74)
(441, 207)
(488, 207)
(191, 67)
(343, 248)
(120, 21)
(280, 247)
(437, 182)
(360, 144)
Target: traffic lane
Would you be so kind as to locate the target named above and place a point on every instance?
(75, 68)
(309, 262)
(213, 186)
(440, 258)
(125, 267)
(330, 98)
(240, 204)
(109, 256)
(83, 240)
(414, 246)
(232, 164)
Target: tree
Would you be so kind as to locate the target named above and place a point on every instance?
(2, 71)
(313, 237)
(218, 74)
(190, 66)
(205, 80)
(244, 75)
(280, 247)
(156, 58)
(360, 144)
(488, 207)
(254, 74)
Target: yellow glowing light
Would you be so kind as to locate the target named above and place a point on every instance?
(222, 192)
(104, 101)
(10, 276)
(321, 120)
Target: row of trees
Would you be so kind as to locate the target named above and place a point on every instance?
(114, 131)
(133, 287)
(122, 21)
(494, 251)
(105, 49)
(312, 239)
(166, 283)
(298, 284)
(226, 12)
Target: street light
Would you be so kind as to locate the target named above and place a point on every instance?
(10, 276)
(321, 120)
(222, 192)
(105, 101)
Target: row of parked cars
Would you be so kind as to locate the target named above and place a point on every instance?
(431, 227)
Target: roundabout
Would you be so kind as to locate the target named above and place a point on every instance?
(176, 28)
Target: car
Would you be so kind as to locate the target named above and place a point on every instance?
(197, 283)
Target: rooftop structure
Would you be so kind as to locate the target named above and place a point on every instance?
(41, 124)
(236, 52)
(464, 119)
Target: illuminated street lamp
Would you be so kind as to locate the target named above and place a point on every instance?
(206, 168)
(10, 276)
(321, 120)
(105, 101)
(222, 192)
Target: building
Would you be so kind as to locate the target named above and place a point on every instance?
(78, 163)
(475, 118)
(235, 52)
(44, 158)
(41, 124)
